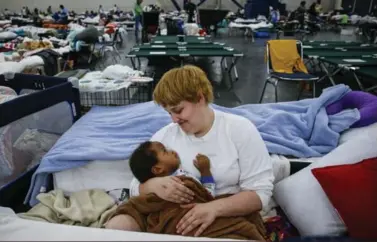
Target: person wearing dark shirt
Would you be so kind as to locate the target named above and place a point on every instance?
(63, 15)
(315, 9)
(49, 10)
(300, 13)
(190, 9)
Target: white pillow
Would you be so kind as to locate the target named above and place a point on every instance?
(107, 175)
(31, 61)
(304, 201)
(356, 133)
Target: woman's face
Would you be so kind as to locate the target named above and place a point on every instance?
(187, 115)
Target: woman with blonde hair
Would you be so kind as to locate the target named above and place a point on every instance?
(240, 163)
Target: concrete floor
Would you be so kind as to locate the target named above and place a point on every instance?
(251, 69)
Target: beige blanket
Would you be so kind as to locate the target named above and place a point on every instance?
(89, 208)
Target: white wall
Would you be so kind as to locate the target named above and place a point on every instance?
(78, 5)
(82, 5)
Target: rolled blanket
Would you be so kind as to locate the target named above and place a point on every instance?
(155, 215)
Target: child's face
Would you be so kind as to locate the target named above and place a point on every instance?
(168, 160)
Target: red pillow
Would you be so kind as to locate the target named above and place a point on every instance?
(352, 189)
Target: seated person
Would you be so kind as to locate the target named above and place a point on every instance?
(49, 10)
(152, 159)
(63, 15)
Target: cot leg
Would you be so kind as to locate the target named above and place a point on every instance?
(263, 91)
(133, 63)
(91, 54)
(225, 64)
(233, 65)
(235, 68)
(139, 63)
(314, 91)
(358, 81)
(328, 74)
(276, 91)
(300, 89)
(222, 61)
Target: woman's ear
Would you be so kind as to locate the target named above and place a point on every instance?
(202, 100)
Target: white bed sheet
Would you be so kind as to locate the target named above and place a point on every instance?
(13, 228)
(250, 26)
(115, 175)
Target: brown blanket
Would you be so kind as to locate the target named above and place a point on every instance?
(155, 215)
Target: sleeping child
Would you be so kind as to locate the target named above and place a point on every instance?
(152, 159)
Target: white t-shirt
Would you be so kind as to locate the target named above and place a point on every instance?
(238, 155)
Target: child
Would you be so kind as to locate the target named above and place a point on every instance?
(152, 159)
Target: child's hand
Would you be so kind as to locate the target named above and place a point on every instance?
(202, 163)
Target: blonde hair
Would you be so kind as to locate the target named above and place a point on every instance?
(186, 83)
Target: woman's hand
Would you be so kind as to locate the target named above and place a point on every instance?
(200, 216)
(172, 189)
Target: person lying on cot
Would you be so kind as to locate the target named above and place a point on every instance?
(240, 162)
(152, 159)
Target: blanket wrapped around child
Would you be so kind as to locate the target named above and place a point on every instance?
(155, 215)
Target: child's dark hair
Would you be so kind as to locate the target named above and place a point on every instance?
(142, 160)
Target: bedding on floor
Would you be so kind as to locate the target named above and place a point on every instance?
(300, 129)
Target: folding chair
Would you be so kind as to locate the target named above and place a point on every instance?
(274, 77)
(112, 44)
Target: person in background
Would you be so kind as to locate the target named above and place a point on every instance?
(36, 18)
(49, 10)
(274, 15)
(28, 12)
(318, 7)
(315, 10)
(116, 9)
(63, 15)
(138, 17)
(190, 9)
(300, 13)
(7, 12)
(101, 12)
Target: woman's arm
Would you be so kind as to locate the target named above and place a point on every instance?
(256, 178)
(137, 189)
(240, 204)
(169, 188)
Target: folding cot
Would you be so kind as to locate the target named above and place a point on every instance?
(369, 72)
(167, 46)
(331, 43)
(363, 47)
(339, 56)
(318, 53)
(363, 66)
(175, 46)
(181, 39)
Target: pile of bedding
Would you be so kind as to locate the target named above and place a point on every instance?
(251, 26)
(110, 87)
(18, 67)
(94, 21)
